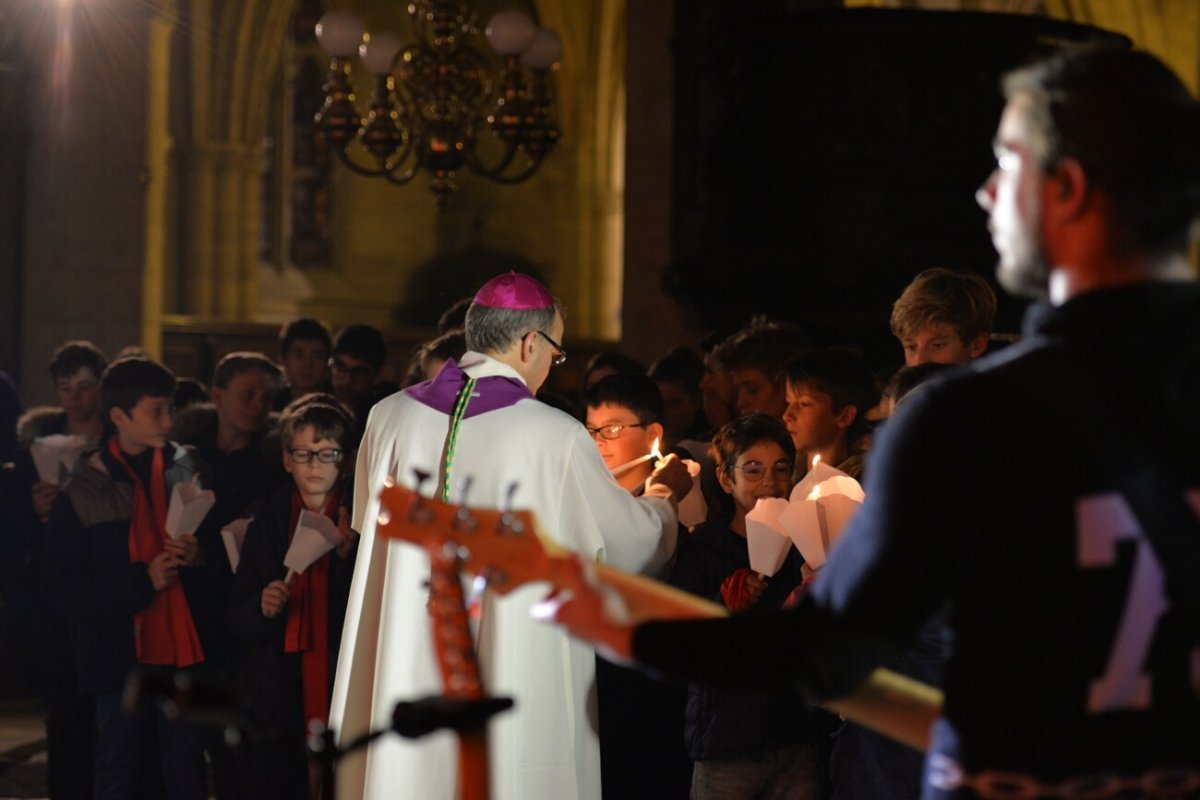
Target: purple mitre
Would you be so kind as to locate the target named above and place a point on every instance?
(514, 291)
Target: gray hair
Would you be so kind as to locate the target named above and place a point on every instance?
(494, 330)
(1133, 127)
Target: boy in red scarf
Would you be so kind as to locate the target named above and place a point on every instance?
(294, 628)
(110, 569)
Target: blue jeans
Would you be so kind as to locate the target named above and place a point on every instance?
(122, 739)
(789, 773)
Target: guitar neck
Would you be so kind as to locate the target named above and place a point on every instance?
(887, 702)
(603, 604)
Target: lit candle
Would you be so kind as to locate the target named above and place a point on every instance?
(628, 465)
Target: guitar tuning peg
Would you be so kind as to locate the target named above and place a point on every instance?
(508, 522)
(421, 476)
(464, 520)
(417, 512)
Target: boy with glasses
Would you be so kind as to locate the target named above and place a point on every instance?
(359, 353)
(293, 630)
(624, 417)
(641, 719)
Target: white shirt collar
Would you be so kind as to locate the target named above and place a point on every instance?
(478, 365)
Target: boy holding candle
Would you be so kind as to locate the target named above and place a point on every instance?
(745, 743)
(293, 629)
(114, 574)
(640, 718)
(829, 392)
(624, 417)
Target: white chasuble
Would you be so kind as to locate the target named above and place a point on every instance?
(545, 746)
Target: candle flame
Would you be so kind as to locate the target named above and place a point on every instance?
(654, 451)
(816, 460)
(815, 494)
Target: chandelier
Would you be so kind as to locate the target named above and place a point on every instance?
(436, 101)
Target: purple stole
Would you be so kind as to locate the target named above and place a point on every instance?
(491, 393)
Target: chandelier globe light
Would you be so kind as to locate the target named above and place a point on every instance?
(437, 104)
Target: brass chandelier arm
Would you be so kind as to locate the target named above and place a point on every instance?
(498, 172)
(383, 169)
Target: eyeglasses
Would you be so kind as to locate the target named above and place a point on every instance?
(755, 470)
(361, 372)
(611, 432)
(329, 455)
(560, 357)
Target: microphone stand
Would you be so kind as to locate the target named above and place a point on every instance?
(410, 719)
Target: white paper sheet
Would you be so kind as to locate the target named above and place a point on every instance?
(316, 534)
(765, 537)
(234, 536)
(55, 456)
(189, 505)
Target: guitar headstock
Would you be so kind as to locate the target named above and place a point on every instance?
(503, 546)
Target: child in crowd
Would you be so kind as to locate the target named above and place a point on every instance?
(111, 571)
(745, 744)
(640, 719)
(304, 348)
(359, 353)
(237, 436)
(678, 375)
(624, 416)
(294, 629)
(435, 353)
(944, 316)
(829, 393)
(753, 357)
(909, 379)
(75, 369)
(608, 363)
(718, 397)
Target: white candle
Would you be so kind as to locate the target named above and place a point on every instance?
(628, 465)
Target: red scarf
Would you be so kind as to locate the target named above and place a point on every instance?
(307, 630)
(163, 632)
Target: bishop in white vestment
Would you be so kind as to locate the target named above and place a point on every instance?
(545, 746)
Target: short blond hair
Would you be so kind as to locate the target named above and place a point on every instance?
(962, 300)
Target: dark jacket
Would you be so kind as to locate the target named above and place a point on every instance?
(733, 723)
(237, 479)
(275, 675)
(21, 533)
(87, 576)
(270, 679)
